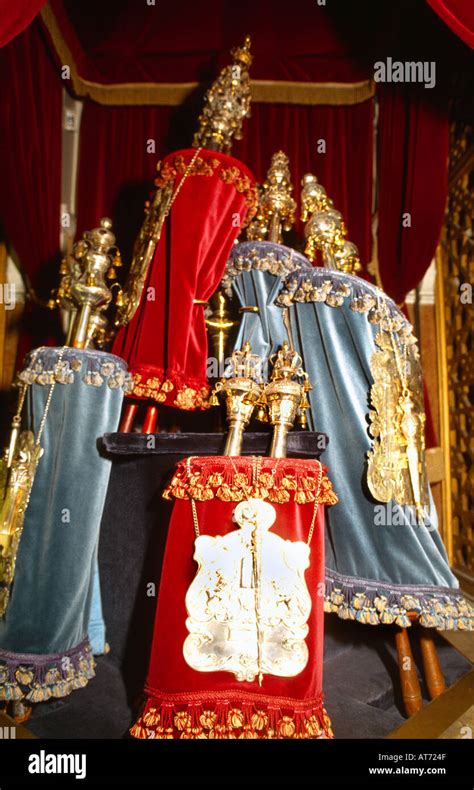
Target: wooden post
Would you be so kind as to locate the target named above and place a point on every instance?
(411, 690)
(129, 414)
(149, 424)
(433, 672)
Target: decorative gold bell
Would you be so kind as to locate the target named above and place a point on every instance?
(262, 409)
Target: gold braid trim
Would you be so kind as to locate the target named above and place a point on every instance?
(232, 480)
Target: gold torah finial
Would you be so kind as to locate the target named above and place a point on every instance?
(83, 291)
(277, 206)
(285, 396)
(227, 103)
(259, 227)
(325, 230)
(242, 388)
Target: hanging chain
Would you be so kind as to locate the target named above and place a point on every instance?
(193, 501)
(256, 467)
(316, 505)
(21, 400)
(48, 399)
(195, 517)
(180, 185)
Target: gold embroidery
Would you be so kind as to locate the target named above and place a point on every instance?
(189, 398)
(241, 182)
(244, 185)
(157, 389)
(396, 462)
(201, 167)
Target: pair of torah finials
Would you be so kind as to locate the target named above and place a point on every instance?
(280, 400)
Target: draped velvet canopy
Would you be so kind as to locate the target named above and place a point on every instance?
(311, 82)
(458, 15)
(15, 17)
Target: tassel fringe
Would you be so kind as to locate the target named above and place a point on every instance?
(231, 480)
(229, 719)
(37, 678)
(378, 606)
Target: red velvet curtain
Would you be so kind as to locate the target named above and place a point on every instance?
(15, 16)
(412, 184)
(124, 41)
(120, 148)
(333, 142)
(116, 171)
(30, 145)
(458, 15)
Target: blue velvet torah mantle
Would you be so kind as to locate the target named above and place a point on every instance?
(45, 650)
(380, 563)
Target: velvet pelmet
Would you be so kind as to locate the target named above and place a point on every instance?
(184, 703)
(380, 563)
(165, 343)
(44, 637)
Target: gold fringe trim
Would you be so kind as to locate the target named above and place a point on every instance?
(174, 93)
(219, 478)
(226, 721)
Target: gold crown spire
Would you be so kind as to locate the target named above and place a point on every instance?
(227, 103)
(325, 230)
(285, 396)
(276, 205)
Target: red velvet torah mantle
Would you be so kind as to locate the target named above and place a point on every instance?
(182, 702)
(165, 343)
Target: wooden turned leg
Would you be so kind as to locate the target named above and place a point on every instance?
(21, 711)
(149, 424)
(433, 673)
(411, 691)
(129, 414)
